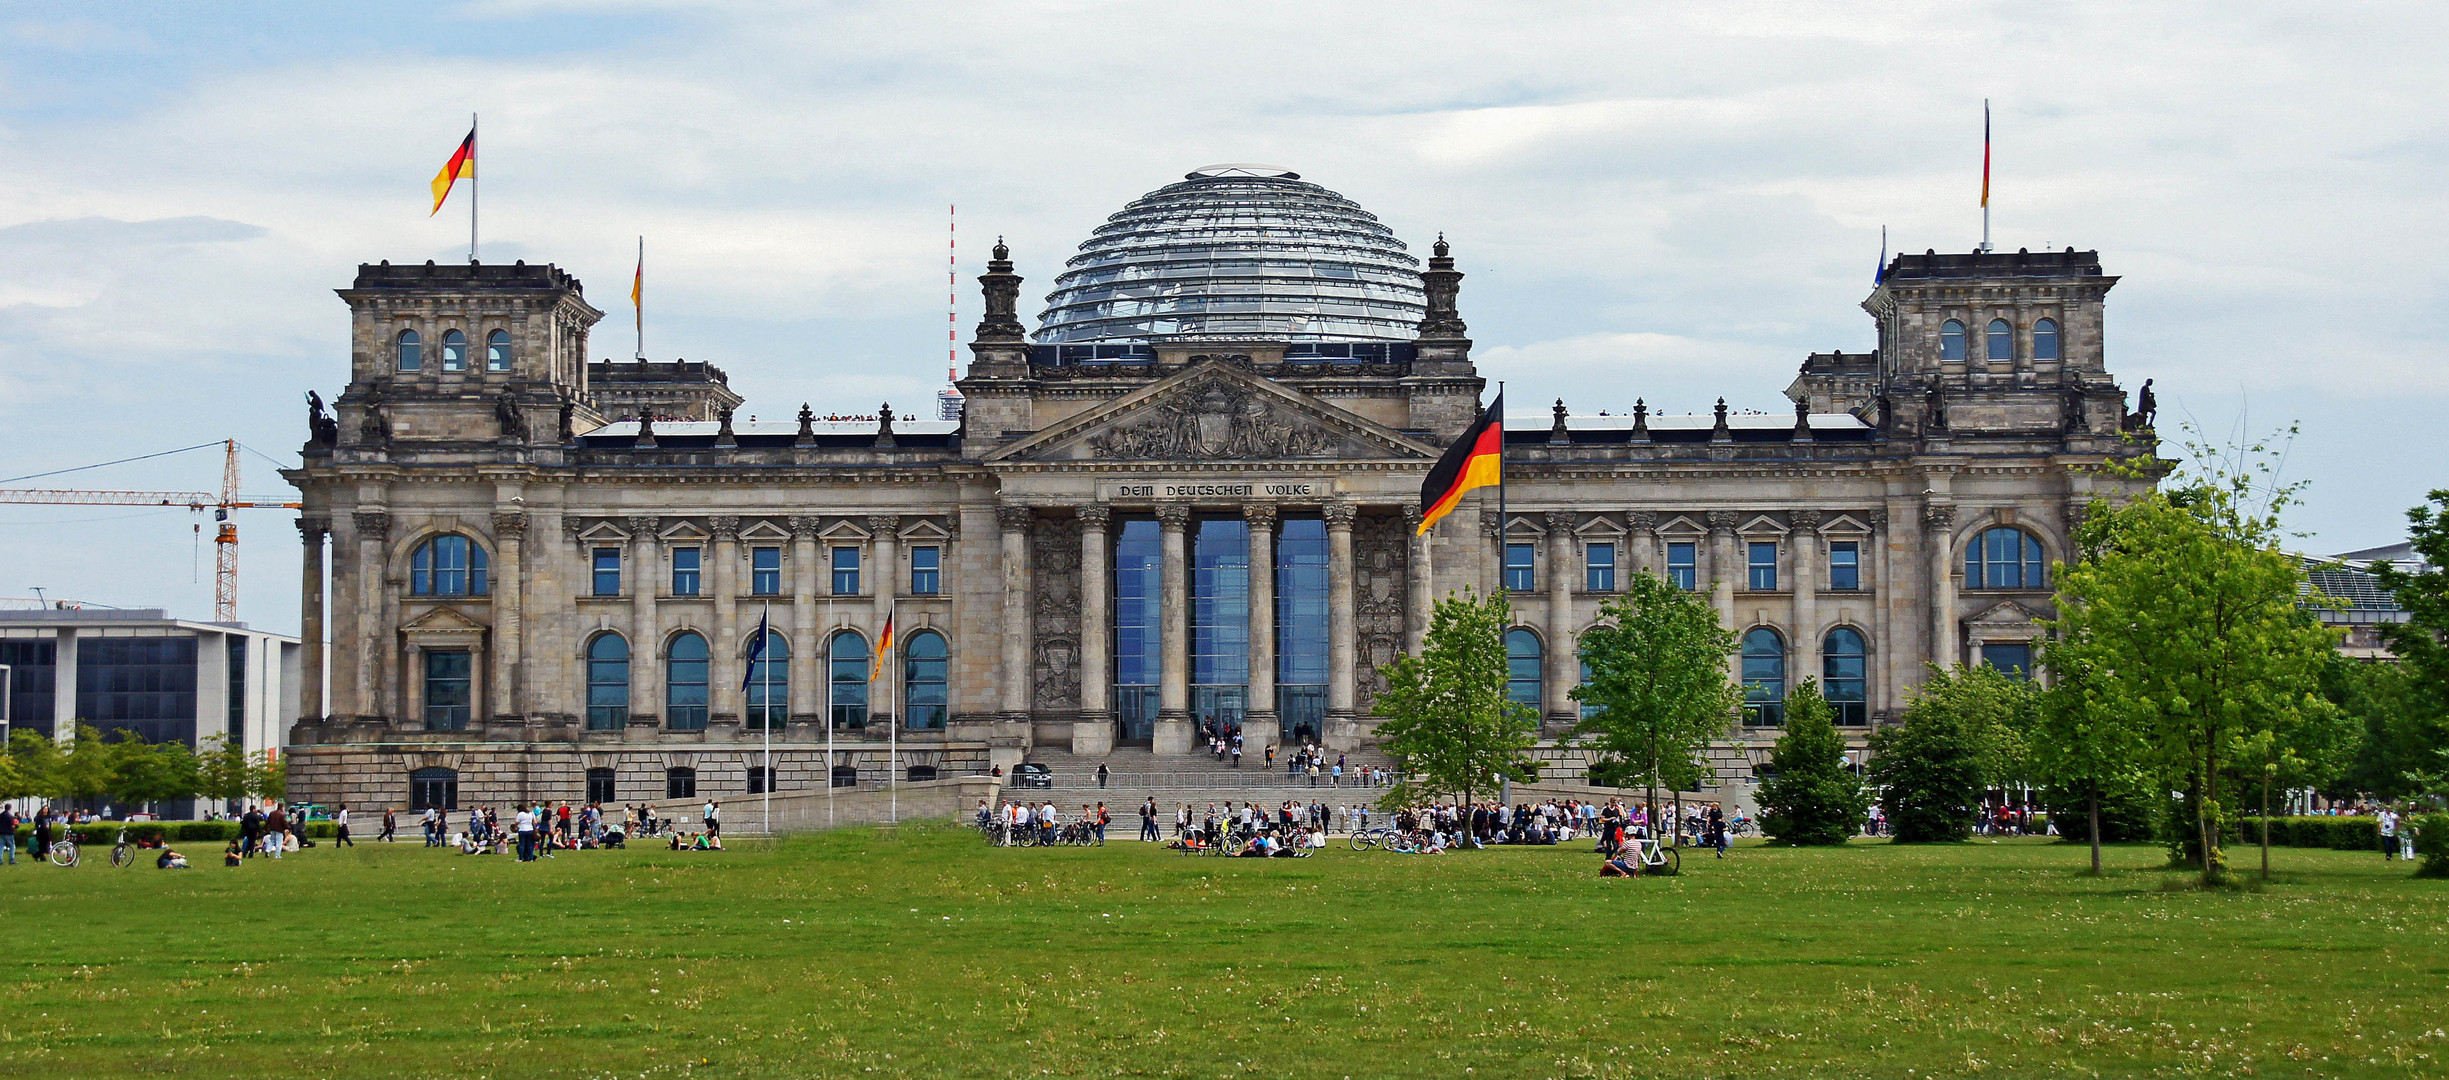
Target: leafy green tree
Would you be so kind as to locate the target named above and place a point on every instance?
(2185, 618)
(1446, 715)
(32, 758)
(2399, 734)
(86, 767)
(267, 777)
(1813, 798)
(2422, 645)
(2084, 740)
(1657, 690)
(225, 774)
(1962, 735)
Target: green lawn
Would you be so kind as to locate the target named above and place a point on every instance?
(923, 953)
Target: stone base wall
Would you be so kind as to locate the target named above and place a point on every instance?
(372, 776)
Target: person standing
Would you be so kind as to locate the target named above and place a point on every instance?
(8, 834)
(276, 831)
(2389, 833)
(1147, 820)
(433, 827)
(340, 833)
(714, 818)
(1104, 818)
(391, 826)
(1101, 775)
(525, 823)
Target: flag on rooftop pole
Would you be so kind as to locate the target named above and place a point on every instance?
(884, 646)
(637, 296)
(461, 166)
(1477, 459)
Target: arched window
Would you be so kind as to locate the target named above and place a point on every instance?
(1522, 659)
(846, 694)
(448, 565)
(769, 685)
(411, 351)
(607, 683)
(433, 788)
(1842, 663)
(1764, 678)
(497, 351)
(925, 681)
(2000, 341)
(2004, 558)
(684, 683)
(2045, 340)
(1951, 340)
(454, 351)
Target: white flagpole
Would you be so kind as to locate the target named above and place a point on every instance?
(765, 718)
(825, 703)
(892, 736)
(478, 147)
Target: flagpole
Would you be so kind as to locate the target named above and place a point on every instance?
(765, 718)
(1985, 174)
(892, 737)
(1501, 522)
(826, 705)
(637, 299)
(475, 177)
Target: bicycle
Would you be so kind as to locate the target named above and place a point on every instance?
(1656, 858)
(64, 851)
(123, 853)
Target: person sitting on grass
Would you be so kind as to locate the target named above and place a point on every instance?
(230, 855)
(1619, 866)
(170, 859)
(680, 841)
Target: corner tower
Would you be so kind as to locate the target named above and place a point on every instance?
(464, 354)
(1990, 344)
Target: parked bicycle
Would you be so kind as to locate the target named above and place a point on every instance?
(123, 854)
(1655, 857)
(64, 850)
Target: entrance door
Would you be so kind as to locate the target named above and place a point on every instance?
(1219, 708)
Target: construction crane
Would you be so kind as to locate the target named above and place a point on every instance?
(225, 536)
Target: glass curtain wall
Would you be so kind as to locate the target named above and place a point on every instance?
(1220, 624)
(1138, 657)
(1301, 628)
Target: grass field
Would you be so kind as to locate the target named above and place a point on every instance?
(923, 953)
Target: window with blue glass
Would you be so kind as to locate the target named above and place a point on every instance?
(142, 685)
(410, 351)
(1764, 678)
(1520, 573)
(765, 571)
(1220, 621)
(497, 352)
(1522, 667)
(449, 689)
(1999, 342)
(2045, 339)
(1600, 563)
(1588, 709)
(2004, 558)
(2014, 658)
(1138, 640)
(33, 676)
(607, 571)
(1684, 565)
(926, 571)
(1845, 566)
(926, 681)
(236, 704)
(433, 788)
(607, 683)
(1951, 340)
(769, 684)
(1761, 561)
(846, 681)
(1301, 627)
(454, 351)
(685, 675)
(447, 566)
(846, 571)
(1843, 662)
(687, 563)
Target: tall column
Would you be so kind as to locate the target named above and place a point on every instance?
(1173, 726)
(1014, 520)
(1261, 713)
(373, 598)
(646, 639)
(730, 638)
(883, 583)
(1343, 642)
(1563, 659)
(311, 531)
(1805, 553)
(807, 653)
(1940, 521)
(1723, 566)
(509, 583)
(1642, 541)
(1418, 599)
(1096, 609)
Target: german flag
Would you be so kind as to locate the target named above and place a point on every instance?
(884, 647)
(462, 164)
(1475, 460)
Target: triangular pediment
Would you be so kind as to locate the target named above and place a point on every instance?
(2005, 616)
(441, 620)
(1216, 412)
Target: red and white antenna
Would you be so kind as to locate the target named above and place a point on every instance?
(952, 284)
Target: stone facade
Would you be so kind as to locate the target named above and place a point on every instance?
(666, 542)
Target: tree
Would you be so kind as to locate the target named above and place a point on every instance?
(32, 759)
(1657, 690)
(267, 778)
(2185, 616)
(85, 767)
(2422, 643)
(1962, 735)
(224, 773)
(1447, 718)
(2084, 740)
(1813, 798)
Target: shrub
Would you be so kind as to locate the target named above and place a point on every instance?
(2431, 842)
(2125, 814)
(2321, 831)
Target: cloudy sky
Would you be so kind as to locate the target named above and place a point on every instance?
(1667, 201)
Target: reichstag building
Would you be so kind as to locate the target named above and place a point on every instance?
(1187, 499)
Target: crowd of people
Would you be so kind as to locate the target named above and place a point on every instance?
(537, 831)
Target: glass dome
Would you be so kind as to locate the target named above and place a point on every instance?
(1238, 251)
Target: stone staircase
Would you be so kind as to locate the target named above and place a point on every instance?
(1135, 773)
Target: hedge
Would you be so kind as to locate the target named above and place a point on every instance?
(2343, 833)
(177, 832)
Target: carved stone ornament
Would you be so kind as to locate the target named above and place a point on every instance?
(1642, 522)
(1095, 517)
(371, 524)
(1054, 586)
(570, 528)
(1259, 515)
(724, 527)
(509, 524)
(1014, 517)
(1380, 554)
(1723, 520)
(1340, 515)
(1173, 516)
(506, 413)
(1559, 521)
(311, 530)
(374, 428)
(642, 528)
(803, 527)
(1939, 516)
(1216, 421)
(884, 524)
(1806, 520)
